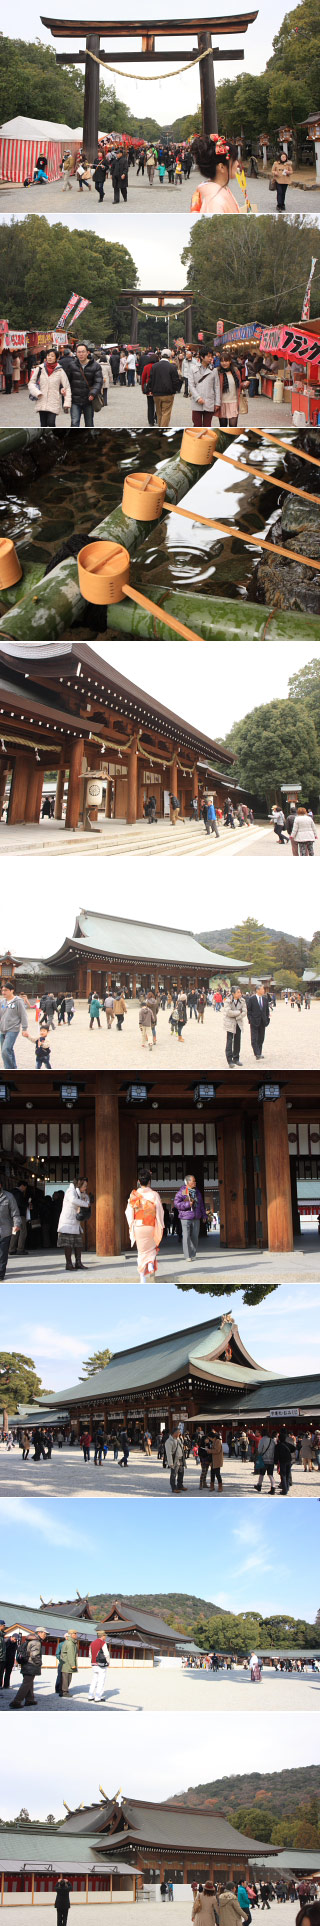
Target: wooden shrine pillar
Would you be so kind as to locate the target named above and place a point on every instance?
(19, 787)
(189, 308)
(58, 807)
(73, 799)
(231, 1183)
(207, 87)
(134, 984)
(278, 1181)
(34, 793)
(174, 777)
(195, 784)
(108, 1207)
(4, 768)
(128, 1168)
(134, 319)
(108, 798)
(132, 805)
(91, 98)
(88, 1169)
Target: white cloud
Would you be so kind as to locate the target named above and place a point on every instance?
(47, 1523)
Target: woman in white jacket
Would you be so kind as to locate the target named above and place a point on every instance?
(303, 833)
(70, 1234)
(48, 386)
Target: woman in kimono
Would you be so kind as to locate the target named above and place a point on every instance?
(145, 1217)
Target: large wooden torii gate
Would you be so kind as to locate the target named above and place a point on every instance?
(146, 32)
(164, 297)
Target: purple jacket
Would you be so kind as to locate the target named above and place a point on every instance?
(181, 1203)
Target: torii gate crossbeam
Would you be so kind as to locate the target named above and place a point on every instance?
(146, 32)
(164, 297)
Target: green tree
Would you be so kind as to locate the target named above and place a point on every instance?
(31, 83)
(96, 1363)
(274, 743)
(40, 265)
(305, 688)
(251, 941)
(19, 1381)
(251, 270)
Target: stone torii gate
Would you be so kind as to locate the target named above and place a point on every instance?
(163, 298)
(146, 31)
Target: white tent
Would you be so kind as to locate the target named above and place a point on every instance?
(20, 140)
(24, 128)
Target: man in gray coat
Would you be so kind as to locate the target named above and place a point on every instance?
(10, 1222)
(13, 1018)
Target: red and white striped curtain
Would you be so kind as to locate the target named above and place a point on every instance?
(18, 158)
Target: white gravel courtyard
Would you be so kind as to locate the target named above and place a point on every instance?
(66, 1475)
(292, 1041)
(142, 1688)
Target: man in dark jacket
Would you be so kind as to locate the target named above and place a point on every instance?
(62, 1901)
(164, 382)
(85, 376)
(10, 1223)
(30, 1662)
(8, 1647)
(258, 1017)
(119, 175)
(99, 175)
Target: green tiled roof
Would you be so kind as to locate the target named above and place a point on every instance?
(158, 1362)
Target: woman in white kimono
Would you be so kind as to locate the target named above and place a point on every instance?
(145, 1217)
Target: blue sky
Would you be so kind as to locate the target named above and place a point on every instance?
(146, 1764)
(62, 1328)
(54, 1549)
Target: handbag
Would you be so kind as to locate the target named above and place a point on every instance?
(243, 405)
(272, 185)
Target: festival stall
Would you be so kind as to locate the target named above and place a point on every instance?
(25, 342)
(21, 142)
(297, 350)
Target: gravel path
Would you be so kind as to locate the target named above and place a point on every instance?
(127, 408)
(160, 199)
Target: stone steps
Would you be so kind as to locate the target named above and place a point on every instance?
(136, 839)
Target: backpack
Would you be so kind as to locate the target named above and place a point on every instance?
(144, 1209)
(30, 1654)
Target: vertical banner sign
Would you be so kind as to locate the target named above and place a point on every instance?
(66, 311)
(79, 310)
(305, 310)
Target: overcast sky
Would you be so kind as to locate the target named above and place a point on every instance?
(61, 1333)
(164, 100)
(155, 246)
(35, 918)
(185, 1753)
(55, 1549)
(253, 676)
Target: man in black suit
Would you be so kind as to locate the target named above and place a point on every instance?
(258, 1017)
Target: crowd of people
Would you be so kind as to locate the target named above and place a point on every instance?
(268, 1449)
(169, 161)
(236, 1007)
(24, 1651)
(75, 379)
(218, 159)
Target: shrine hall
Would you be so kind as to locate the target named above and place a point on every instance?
(118, 1846)
(254, 1148)
(115, 953)
(65, 713)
